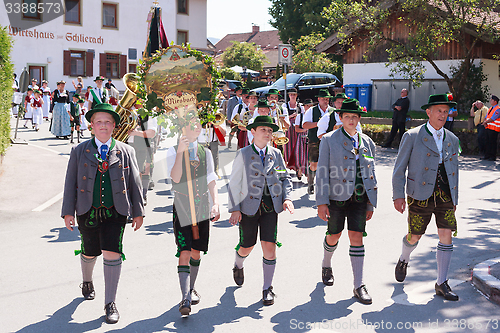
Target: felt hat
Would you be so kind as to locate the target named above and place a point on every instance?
(324, 93)
(252, 93)
(45, 81)
(99, 78)
(340, 95)
(36, 91)
(292, 91)
(439, 99)
(273, 91)
(245, 91)
(308, 101)
(238, 88)
(33, 79)
(103, 107)
(76, 95)
(89, 87)
(61, 82)
(263, 121)
(262, 103)
(81, 100)
(351, 105)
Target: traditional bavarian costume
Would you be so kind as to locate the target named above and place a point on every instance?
(60, 125)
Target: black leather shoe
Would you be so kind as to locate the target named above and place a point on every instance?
(400, 270)
(310, 189)
(444, 290)
(238, 276)
(195, 297)
(327, 275)
(362, 294)
(88, 290)
(268, 296)
(185, 307)
(112, 315)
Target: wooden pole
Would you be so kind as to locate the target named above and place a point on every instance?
(194, 224)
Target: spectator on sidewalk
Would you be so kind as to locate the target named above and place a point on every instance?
(398, 117)
(492, 125)
(480, 113)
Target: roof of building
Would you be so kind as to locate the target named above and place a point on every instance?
(266, 39)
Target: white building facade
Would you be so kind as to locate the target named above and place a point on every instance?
(96, 37)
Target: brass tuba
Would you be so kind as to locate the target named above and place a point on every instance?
(129, 117)
(245, 118)
(219, 119)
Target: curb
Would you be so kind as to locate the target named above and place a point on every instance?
(485, 282)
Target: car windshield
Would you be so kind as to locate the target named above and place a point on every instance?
(291, 79)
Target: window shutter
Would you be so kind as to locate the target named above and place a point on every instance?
(123, 65)
(89, 66)
(102, 64)
(67, 62)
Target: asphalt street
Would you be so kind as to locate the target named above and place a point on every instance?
(40, 275)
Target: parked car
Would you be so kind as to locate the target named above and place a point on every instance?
(307, 84)
(231, 85)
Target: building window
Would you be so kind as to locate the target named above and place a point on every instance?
(72, 14)
(32, 12)
(77, 63)
(132, 68)
(182, 37)
(132, 54)
(112, 65)
(182, 6)
(109, 15)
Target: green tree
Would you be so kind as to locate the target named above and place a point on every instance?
(6, 74)
(306, 59)
(427, 26)
(229, 74)
(474, 89)
(297, 18)
(244, 54)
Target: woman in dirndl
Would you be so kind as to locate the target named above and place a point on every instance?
(60, 125)
(293, 108)
(301, 158)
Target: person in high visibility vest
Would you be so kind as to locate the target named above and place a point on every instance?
(492, 125)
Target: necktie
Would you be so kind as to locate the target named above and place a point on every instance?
(353, 143)
(104, 152)
(100, 96)
(262, 156)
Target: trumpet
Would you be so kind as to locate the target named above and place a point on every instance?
(279, 137)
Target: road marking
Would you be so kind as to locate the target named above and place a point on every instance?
(48, 203)
(420, 295)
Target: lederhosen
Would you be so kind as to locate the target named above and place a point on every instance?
(182, 210)
(102, 227)
(354, 208)
(74, 110)
(439, 203)
(266, 219)
(312, 136)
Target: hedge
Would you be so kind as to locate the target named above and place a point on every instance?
(6, 74)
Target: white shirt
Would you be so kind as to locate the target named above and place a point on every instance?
(99, 144)
(152, 125)
(250, 121)
(99, 92)
(308, 117)
(208, 134)
(325, 120)
(438, 136)
(236, 108)
(171, 157)
(356, 139)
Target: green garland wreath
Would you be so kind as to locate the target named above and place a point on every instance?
(153, 106)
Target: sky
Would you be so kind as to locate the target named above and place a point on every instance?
(236, 16)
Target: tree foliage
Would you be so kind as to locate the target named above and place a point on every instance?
(306, 59)
(229, 74)
(474, 89)
(426, 25)
(244, 54)
(297, 18)
(6, 73)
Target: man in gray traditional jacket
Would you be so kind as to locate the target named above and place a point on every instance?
(430, 155)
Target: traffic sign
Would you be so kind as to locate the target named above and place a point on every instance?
(285, 54)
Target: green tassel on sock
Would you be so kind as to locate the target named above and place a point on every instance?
(77, 252)
(278, 244)
(123, 257)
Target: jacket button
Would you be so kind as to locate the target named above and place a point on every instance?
(426, 168)
(84, 177)
(275, 184)
(88, 150)
(454, 187)
(425, 139)
(453, 174)
(366, 150)
(251, 197)
(345, 157)
(449, 144)
(85, 164)
(118, 152)
(369, 165)
(343, 180)
(371, 177)
(256, 173)
(423, 183)
(451, 159)
(375, 188)
(82, 190)
(253, 185)
(119, 165)
(428, 154)
(253, 157)
(345, 169)
(124, 191)
(345, 143)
